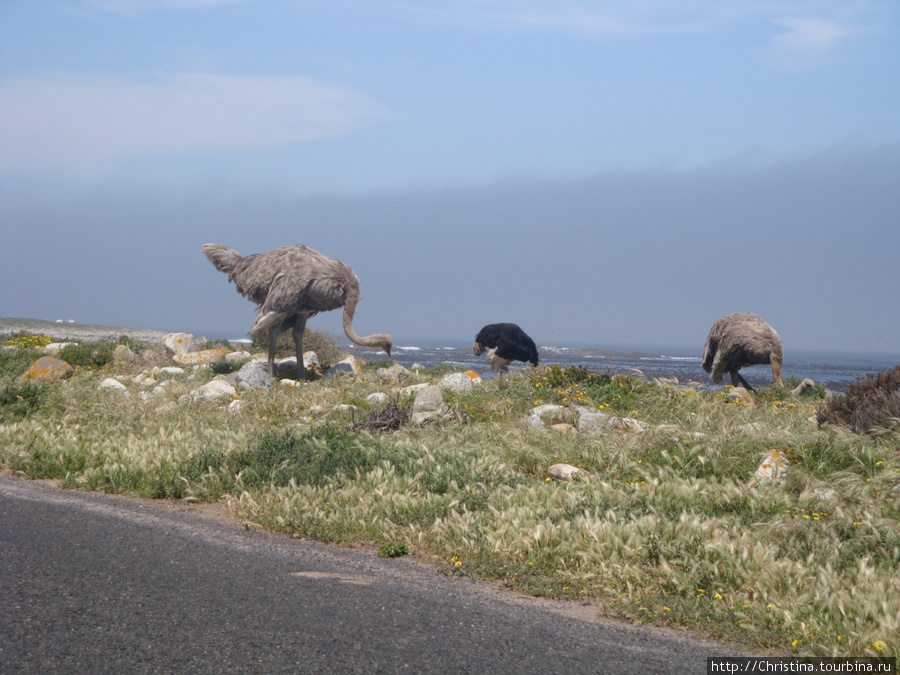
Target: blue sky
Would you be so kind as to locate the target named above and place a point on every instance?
(603, 173)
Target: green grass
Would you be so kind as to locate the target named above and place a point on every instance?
(665, 531)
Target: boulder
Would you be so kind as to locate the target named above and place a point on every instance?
(110, 383)
(122, 354)
(739, 395)
(429, 406)
(181, 343)
(543, 416)
(594, 421)
(457, 382)
(47, 368)
(566, 472)
(205, 357)
(171, 370)
(253, 375)
(378, 398)
(396, 373)
(772, 470)
(231, 357)
(211, 391)
(565, 430)
(54, 348)
(348, 366)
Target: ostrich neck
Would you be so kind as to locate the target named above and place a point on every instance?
(362, 341)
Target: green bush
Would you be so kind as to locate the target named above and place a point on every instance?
(88, 354)
(21, 399)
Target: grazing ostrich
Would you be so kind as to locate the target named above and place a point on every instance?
(739, 340)
(291, 284)
(505, 342)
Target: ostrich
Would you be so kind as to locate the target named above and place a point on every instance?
(505, 342)
(291, 284)
(739, 340)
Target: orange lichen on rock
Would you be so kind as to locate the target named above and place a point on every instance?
(48, 368)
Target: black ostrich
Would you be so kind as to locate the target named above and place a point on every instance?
(505, 342)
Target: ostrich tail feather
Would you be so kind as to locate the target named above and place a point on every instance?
(265, 321)
(225, 259)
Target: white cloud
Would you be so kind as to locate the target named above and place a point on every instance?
(807, 41)
(71, 122)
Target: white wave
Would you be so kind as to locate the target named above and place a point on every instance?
(409, 349)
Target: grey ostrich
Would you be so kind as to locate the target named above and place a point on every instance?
(291, 284)
(738, 340)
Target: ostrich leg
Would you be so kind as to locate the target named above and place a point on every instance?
(299, 328)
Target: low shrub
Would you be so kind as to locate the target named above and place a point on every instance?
(88, 354)
(870, 402)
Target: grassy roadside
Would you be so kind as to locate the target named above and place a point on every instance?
(665, 530)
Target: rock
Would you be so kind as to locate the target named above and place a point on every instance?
(54, 348)
(285, 382)
(429, 406)
(566, 472)
(457, 382)
(413, 389)
(546, 415)
(235, 406)
(181, 343)
(211, 391)
(311, 360)
(168, 388)
(143, 380)
(565, 430)
(594, 421)
(739, 395)
(803, 387)
(47, 368)
(344, 407)
(317, 410)
(202, 358)
(349, 366)
(110, 383)
(396, 373)
(772, 470)
(378, 398)
(122, 354)
(172, 370)
(253, 375)
(231, 357)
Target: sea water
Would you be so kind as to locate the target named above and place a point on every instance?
(835, 371)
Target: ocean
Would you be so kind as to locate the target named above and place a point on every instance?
(835, 371)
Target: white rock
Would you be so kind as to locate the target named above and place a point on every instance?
(236, 356)
(456, 382)
(311, 360)
(566, 472)
(211, 391)
(235, 406)
(378, 398)
(317, 410)
(428, 406)
(54, 347)
(172, 370)
(772, 470)
(343, 407)
(110, 383)
(413, 389)
(396, 373)
(181, 343)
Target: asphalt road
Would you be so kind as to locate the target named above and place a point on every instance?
(103, 584)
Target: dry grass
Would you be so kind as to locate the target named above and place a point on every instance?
(665, 530)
